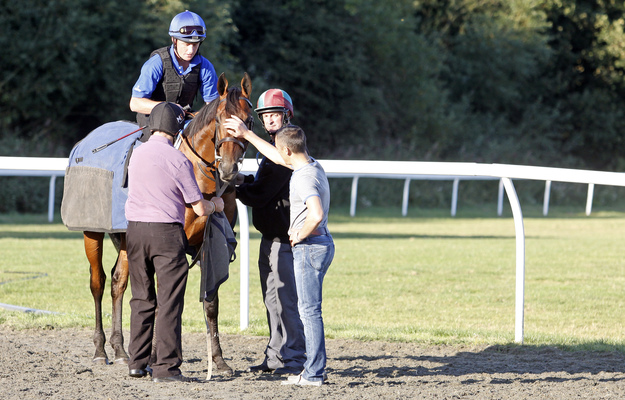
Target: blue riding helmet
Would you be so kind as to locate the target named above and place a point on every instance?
(188, 27)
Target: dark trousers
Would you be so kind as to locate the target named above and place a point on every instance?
(156, 249)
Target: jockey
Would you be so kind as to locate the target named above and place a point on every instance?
(175, 73)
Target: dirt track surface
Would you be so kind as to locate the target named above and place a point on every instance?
(56, 364)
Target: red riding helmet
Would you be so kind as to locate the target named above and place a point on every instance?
(274, 100)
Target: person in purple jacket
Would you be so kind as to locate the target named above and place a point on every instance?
(160, 185)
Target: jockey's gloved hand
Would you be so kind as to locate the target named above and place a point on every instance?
(188, 112)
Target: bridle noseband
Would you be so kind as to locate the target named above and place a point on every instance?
(249, 122)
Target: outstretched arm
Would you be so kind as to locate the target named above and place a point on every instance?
(237, 128)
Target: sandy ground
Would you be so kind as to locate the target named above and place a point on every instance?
(56, 364)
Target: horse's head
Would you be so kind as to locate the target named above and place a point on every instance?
(229, 151)
(208, 144)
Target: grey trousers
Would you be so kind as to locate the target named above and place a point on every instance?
(286, 347)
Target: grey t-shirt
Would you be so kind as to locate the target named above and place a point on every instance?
(307, 181)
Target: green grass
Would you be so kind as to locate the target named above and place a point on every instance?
(426, 278)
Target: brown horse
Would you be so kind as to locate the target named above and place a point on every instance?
(215, 156)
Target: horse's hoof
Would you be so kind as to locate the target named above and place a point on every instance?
(101, 360)
(224, 369)
(121, 361)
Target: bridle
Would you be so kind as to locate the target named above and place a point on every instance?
(209, 169)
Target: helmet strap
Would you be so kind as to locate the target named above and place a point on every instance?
(175, 42)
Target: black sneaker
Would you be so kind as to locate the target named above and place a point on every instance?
(140, 372)
(263, 368)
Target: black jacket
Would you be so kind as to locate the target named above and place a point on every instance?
(268, 195)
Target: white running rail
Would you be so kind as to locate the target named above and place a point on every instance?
(36, 166)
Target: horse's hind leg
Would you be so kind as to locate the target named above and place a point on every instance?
(93, 250)
(119, 283)
(211, 309)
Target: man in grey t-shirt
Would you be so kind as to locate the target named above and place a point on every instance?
(313, 247)
(308, 181)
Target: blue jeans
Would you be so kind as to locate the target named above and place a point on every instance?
(312, 257)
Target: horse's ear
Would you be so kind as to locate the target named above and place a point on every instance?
(222, 84)
(246, 86)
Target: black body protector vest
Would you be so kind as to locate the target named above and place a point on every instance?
(172, 87)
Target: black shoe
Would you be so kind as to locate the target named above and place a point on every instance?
(288, 371)
(173, 378)
(140, 373)
(260, 368)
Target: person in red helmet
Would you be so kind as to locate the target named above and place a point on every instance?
(268, 195)
(175, 73)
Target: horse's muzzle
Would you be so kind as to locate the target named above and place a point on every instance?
(228, 171)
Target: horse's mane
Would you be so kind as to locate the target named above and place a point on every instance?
(208, 112)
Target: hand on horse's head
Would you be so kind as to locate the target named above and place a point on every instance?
(236, 127)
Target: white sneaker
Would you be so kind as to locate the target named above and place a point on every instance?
(301, 381)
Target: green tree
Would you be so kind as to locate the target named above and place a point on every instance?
(363, 82)
(314, 51)
(495, 55)
(587, 70)
(411, 109)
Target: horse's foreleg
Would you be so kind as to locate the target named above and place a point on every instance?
(93, 249)
(211, 309)
(119, 283)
